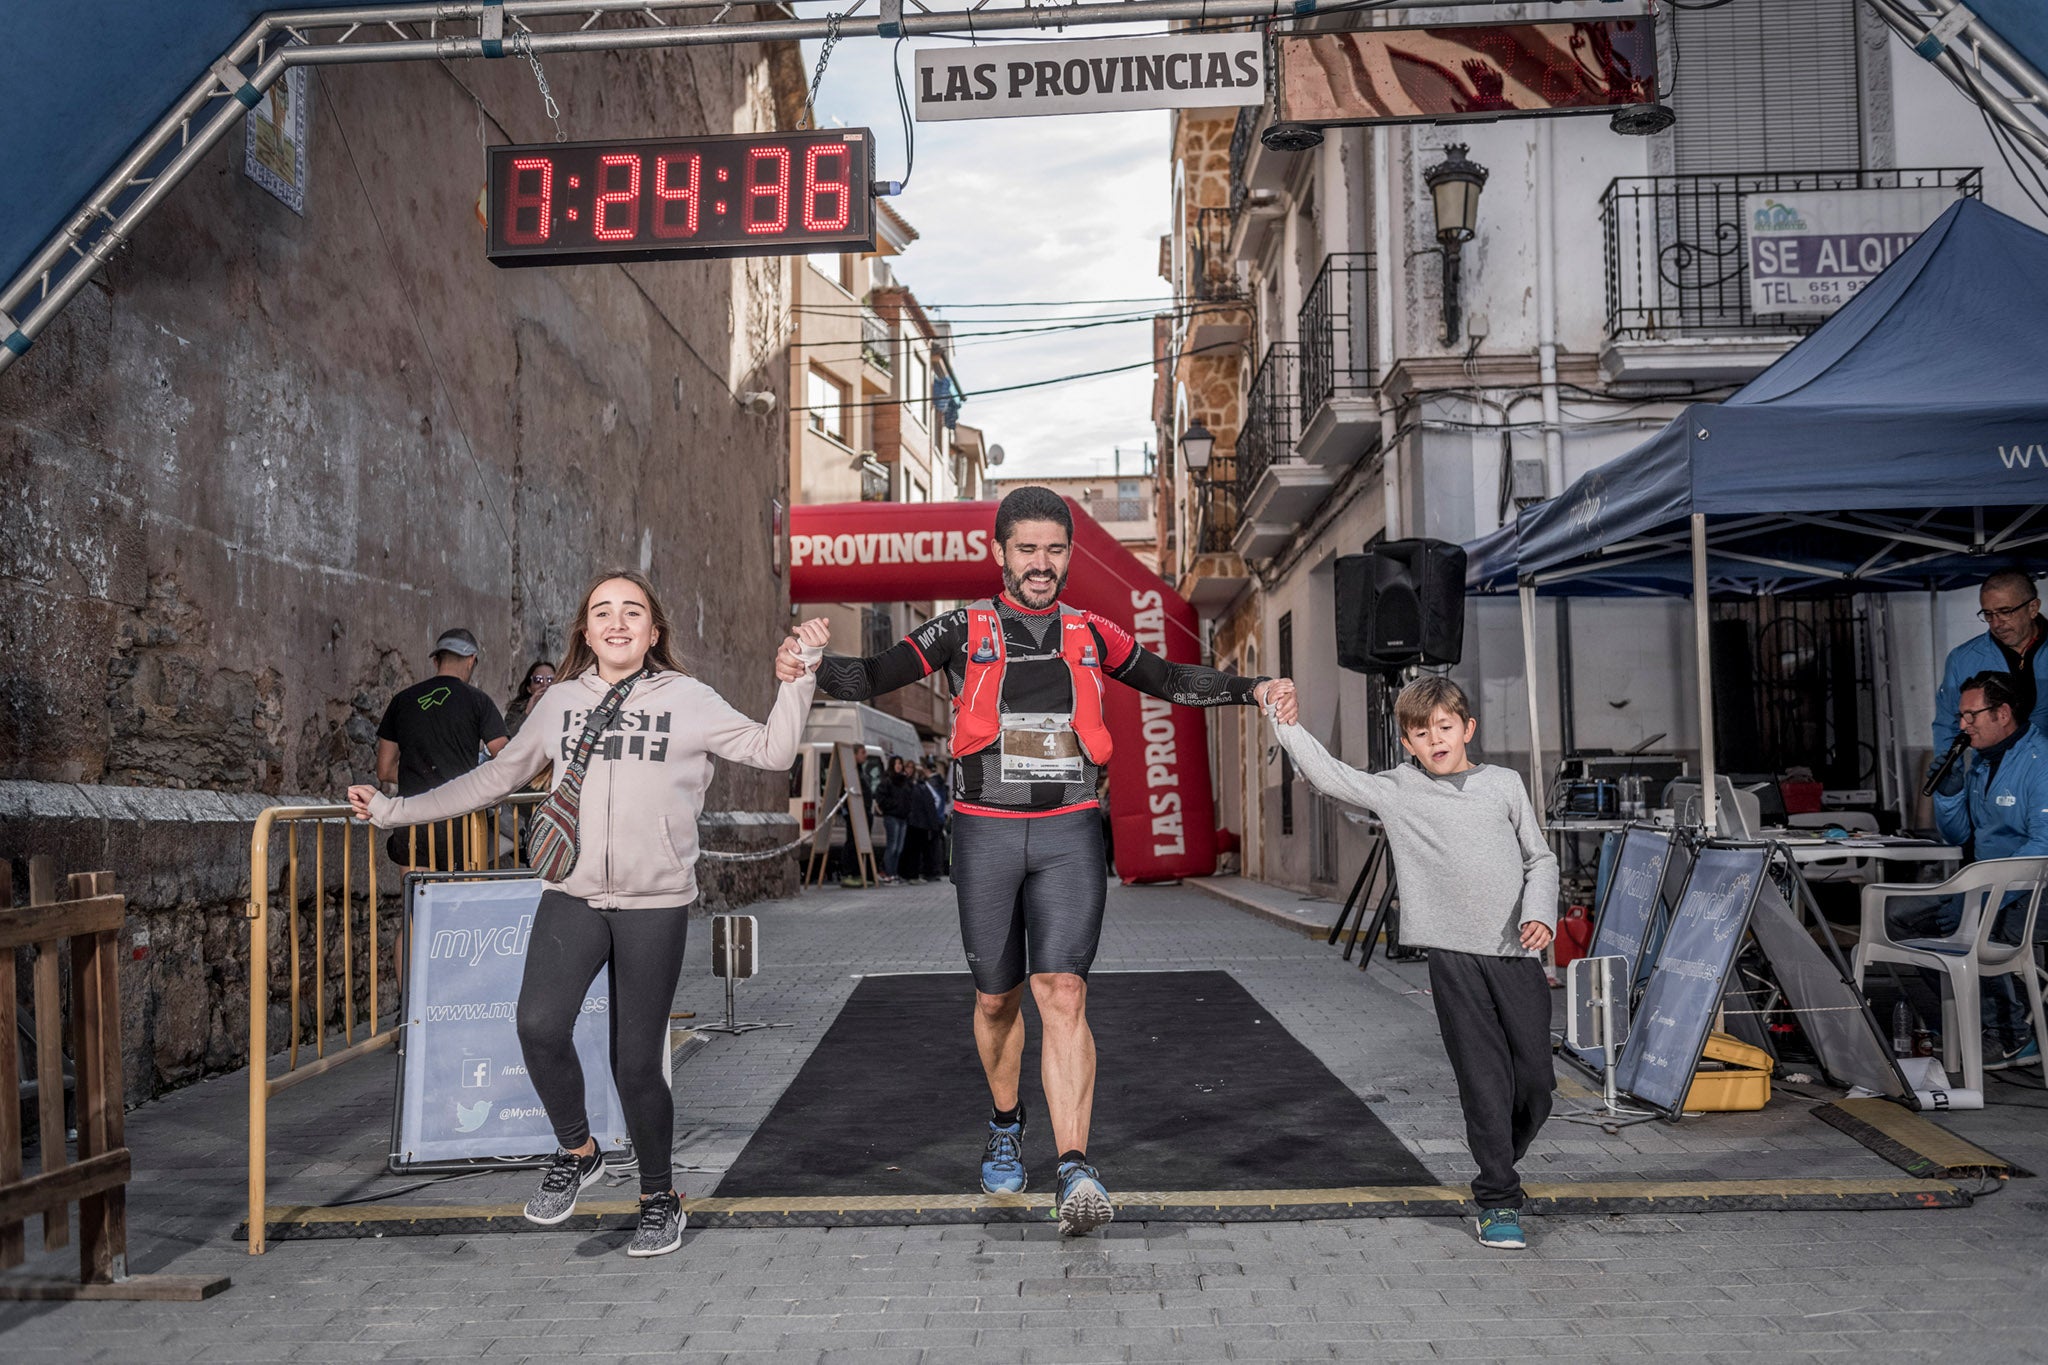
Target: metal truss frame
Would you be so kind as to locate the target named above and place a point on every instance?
(2005, 85)
(450, 29)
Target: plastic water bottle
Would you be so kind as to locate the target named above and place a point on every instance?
(1902, 1030)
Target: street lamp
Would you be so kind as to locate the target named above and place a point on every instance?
(1196, 446)
(1454, 186)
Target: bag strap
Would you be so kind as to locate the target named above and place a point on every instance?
(601, 716)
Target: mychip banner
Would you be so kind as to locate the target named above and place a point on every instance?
(1095, 76)
(1811, 251)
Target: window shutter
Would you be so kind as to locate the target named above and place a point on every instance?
(1768, 85)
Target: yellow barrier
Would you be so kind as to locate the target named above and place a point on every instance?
(489, 840)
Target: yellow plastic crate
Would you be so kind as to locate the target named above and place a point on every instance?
(1741, 1083)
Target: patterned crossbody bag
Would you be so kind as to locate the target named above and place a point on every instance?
(551, 846)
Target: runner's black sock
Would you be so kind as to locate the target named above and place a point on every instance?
(1007, 1116)
(1080, 1157)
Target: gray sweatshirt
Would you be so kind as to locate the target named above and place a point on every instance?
(1471, 857)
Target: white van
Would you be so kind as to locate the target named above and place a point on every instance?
(843, 722)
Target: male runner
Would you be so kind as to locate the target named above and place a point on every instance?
(1030, 740)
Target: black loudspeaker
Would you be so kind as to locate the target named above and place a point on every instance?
(1401, 603)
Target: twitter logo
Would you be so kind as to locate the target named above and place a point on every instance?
(470, 1117)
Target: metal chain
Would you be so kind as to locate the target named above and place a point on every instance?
(522, 43)
(824, 826)
(818, 76)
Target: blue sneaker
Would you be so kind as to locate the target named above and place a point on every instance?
(1083, 1203)
(2028, 1054)
(1002, 1160)
(1501, 1228)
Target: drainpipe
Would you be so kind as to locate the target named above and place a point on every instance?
(1546, 301)
(1384, 208)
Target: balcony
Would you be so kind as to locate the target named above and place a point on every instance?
(1258, 175)
(1276, 488)
(875, 341)
(1339, 410)
(1677, 262)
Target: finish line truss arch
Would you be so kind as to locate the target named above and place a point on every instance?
(498, 29)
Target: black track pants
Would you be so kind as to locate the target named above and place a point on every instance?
(1031, 893)
(1495, 1016)
(643, 952)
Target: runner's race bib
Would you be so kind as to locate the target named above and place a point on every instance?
(1039, 747)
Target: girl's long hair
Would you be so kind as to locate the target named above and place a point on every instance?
(581, 658)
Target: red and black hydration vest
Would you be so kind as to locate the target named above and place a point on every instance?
(978, 704)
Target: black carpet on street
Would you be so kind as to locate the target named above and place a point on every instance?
(1198, 1088)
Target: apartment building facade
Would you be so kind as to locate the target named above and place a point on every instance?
(1357, 389)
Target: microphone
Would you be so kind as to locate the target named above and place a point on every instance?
(1948, 760)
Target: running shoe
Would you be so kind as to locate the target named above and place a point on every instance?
(2020, 1054)
(1083, 1204)
(1501, 1229)
(1002, 1160)
(566, 1176)
(661, 1226)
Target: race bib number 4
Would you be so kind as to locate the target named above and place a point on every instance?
(1040, 748)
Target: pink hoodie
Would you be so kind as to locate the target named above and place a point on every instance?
(643, 791)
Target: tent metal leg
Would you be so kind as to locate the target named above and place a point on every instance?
(1537, 789)
(1703, 648)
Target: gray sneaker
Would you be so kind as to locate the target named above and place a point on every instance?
(661, 1226)
(566, 1176)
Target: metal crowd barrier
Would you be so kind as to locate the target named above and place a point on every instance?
(488, 840)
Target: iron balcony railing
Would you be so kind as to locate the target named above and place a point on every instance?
(1216, 522)
(1215, 277)
(874, 339)
(1241, 138)
(1336, 333)
(1266, 437)
(1677, 256)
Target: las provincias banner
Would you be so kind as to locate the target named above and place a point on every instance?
(1162, 810)
(1095, 76)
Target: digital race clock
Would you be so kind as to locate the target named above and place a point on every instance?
(769, 194)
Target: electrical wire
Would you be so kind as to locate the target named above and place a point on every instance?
(1012, 388)
(903, 106)
(1999, 135)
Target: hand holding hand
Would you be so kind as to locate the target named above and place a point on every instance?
(1278, 698)
(815, 633)
(359, 800)
(1536, 936)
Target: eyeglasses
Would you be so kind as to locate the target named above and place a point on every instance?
(1968, 714)
(1993, 614)
(544, 679)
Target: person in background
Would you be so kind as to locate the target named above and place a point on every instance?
(1997, 808)
(434, 732)
(540, 676)
(624, 907)
(927, 823)
(893, 798)
(2010, 608)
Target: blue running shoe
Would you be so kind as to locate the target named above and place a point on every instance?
(1083, 1203)
(1501, 1228)
(1002, 1160)
(2025, 1054)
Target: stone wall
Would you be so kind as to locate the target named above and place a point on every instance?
(265, 459)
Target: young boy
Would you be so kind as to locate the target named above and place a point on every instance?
(1479, 890)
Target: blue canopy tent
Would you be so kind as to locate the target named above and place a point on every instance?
(1904, 444)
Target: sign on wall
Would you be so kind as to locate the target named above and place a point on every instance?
(1456, 72)
(1811, 251)
(274, 145)
(1096, 76)
(463, 1089)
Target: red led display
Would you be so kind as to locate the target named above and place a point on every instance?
(774, 194)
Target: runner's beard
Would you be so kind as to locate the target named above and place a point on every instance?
(1014, 586)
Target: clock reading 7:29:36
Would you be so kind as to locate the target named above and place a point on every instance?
(766, 194)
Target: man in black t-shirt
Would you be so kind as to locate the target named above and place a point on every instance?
(432, 733)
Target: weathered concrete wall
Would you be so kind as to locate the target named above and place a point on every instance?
(262, 461)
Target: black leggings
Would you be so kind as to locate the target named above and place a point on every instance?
(642, 950)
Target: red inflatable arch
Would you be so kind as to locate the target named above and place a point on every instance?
(1161, 806)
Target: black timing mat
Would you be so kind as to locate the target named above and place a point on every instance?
(1197, 1088)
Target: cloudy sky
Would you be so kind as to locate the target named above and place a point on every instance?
(1026, 212)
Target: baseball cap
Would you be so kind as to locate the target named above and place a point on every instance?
(459, 642)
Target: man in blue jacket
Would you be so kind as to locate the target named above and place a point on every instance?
(2011, 612)
(1997, 808)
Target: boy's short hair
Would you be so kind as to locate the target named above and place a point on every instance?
(1420, 699)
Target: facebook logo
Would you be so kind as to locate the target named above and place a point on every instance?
(476, 1071)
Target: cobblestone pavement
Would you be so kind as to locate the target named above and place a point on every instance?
(1963, 1285)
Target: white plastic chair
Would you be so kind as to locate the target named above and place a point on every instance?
(1846, 868)
(1966, 956)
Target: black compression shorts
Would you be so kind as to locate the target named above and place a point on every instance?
(1031, 893)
